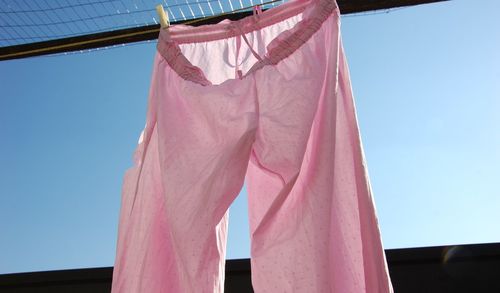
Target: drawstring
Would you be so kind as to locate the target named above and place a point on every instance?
(238, 46)
(239, 74)
(251, 49)
(256, 11)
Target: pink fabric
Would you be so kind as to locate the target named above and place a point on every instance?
(287, 125)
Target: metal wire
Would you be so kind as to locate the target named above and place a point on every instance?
(25, 21)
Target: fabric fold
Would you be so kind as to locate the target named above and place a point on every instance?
(288, 128)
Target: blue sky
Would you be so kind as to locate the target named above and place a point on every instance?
(426, 81)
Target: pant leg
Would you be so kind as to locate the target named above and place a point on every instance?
(312, 217)
(173, 220)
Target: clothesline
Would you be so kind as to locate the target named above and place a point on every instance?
(150, 32)
(96, 40)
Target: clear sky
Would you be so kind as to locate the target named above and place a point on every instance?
(426, 81)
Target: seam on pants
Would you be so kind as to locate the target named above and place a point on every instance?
(259, 163)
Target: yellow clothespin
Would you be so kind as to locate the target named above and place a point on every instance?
(164, 21)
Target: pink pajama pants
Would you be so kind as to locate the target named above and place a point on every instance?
(266, 99)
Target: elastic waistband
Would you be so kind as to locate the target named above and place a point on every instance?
(314, 14)
(314, 11)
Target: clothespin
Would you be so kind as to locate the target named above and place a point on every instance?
(257, 9)
(164, 21)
